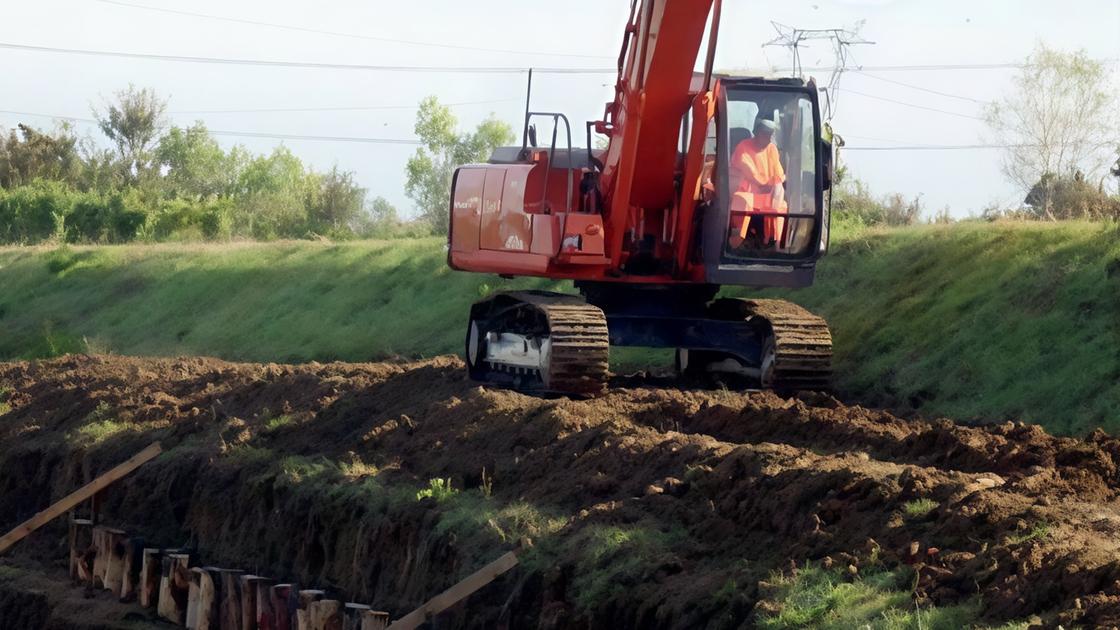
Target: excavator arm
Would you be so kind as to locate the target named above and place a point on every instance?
(653, 90)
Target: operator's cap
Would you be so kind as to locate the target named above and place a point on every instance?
(766, 123)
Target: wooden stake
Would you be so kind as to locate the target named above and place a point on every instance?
(282, 611)
(72, 500)
(248, 603)
(115, 552)
(130, 576)
(262, 614)
(229, 598)
(209, 599)
(306, 597)
(352, 616)
(375, 620)
(81, 539)
(324, 614)
(149, 576)
(100, 556)
(174, 588)
(453, 595)
(194, 598)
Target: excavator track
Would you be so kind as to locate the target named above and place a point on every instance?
(580, 349)
(802, 343)
(570, 336)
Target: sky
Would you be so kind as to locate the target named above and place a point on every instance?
(518, 34)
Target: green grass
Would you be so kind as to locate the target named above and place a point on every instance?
(1037, 531)
(287, 301)
(614, 558)
(972, 321)
(438, 489)
(919, 508)
(277, 423)
(827, 600)
(979, 321)
(102, 424)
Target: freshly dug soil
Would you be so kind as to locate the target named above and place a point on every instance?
(733, 486)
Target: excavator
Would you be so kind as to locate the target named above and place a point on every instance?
(706, 181)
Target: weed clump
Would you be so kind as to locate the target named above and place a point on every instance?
(919, 508)
(439, 489)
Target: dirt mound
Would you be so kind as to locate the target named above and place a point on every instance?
(645, 503)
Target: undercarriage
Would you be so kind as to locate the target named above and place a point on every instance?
(560, 343)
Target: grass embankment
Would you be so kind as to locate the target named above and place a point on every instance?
(1001, 321)
(285, 302)
(984, 321)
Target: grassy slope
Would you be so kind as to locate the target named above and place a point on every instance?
(992, 321)
(261, 302)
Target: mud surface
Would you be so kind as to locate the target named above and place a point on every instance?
(730, 487)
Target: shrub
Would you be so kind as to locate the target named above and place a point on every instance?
(34, 213)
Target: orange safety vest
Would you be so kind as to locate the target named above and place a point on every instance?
(752, 167)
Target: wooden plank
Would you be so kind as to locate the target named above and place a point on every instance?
(456, 593)
(72, 500)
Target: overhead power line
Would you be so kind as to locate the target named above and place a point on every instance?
(943, 147)
(921, 68)
(335, 109)
(391, 40)
(307, 64)
(247, 134)
(920, 88)
(413, 142)
(914, 105)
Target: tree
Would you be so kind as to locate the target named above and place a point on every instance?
(134, 123)
(1058, 120)
(28, 154)
(193, 164)
(429, 171)
(270, 195)
(335, 203)
(1072, 198)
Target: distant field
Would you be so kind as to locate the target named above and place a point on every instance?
(983, 321)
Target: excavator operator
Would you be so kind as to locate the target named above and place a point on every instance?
(757, 179)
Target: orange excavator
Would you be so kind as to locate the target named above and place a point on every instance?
(706, 181)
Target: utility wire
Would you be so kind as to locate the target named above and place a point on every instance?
(334, 109)
(307, 64)
(922, 68)
(873, 139)
(303, 29)
(404, 141)
(247, 134)
(920, 88)
(914, 105)
(944, 147)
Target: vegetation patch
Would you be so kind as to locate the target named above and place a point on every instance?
(438, 489)
(919, 508)
(1038, 531)
(830, 600)
(614, 558)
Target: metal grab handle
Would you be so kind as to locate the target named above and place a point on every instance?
(556, 117)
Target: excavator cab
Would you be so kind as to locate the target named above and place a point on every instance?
(765, 203)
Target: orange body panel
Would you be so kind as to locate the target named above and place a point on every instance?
(466, 210)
